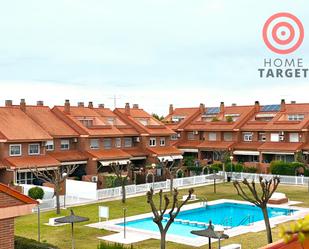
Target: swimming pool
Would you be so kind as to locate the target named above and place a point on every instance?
(228, 214)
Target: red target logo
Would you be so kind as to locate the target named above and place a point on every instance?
(283, 33)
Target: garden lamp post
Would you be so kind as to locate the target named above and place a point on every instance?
(39, 219)
(153, 176)
(231, 158)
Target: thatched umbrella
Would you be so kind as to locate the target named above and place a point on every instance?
(72, 219)
(210, 234)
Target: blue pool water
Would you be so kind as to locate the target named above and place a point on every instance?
(226, 214)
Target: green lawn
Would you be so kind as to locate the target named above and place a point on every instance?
(86, 238)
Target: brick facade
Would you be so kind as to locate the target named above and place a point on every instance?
(6, 233)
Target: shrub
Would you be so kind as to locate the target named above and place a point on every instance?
(36, 193)
(105, 245)
(284, 168)
(215, 119)
(250, 169)
(188, 160)
(238, 167)
(196, 170)
(25, 243)
(215, 168)
(110, 181)
(229, 119)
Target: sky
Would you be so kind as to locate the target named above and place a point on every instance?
(150, 52)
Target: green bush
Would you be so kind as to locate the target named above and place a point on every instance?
(238, 167)
(188, 160)
(36, 193)
(229, 119)
(284, 168)
(250, 169)
(216, 167)
(196, 170)
(105, 245)
(25, 243)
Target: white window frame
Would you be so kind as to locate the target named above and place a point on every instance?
(152, 142)
(33, 154)
(294, 137)
(64, 142)
(274, 137)
(128, 142)
(20, 149)
(229, 138)
(51, 144)
(118, 142)
(162, 141)
(25, 179)
(247, 136)
(97, 141)
(212, 136)
(296, 117)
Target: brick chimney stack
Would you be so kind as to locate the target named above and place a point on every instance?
(171, 109)
(90, 104)
(282, 105)
(222, 107)
(80, 104)
(8, 103)
(202, 108)
(67, 106)
(40, 103)
(127, 109)
(23, 105)
(257, 106)
(101, 105)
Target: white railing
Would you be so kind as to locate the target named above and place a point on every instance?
(143, 188)
(291, 180)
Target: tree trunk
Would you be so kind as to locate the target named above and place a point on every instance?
(57, 190)
(163, 235)
(171, 182)
(123, 188)
(267, 225)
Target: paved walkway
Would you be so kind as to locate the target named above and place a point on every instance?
(131, 237)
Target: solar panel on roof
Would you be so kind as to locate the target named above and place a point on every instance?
(270, 108)
(212, 110)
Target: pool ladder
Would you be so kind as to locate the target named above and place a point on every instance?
(249, 218)
(204, 202)
(227, 222)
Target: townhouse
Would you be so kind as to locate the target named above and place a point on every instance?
(254, 135)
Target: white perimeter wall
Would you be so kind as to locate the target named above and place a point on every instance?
(81, 189)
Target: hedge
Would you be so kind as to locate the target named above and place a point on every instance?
(284, 168)
(36, 193)
(25, 243)
(105, 245)
(238, 167)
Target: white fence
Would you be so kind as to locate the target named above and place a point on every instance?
(81, 189)
(291, 180)
(143, 188)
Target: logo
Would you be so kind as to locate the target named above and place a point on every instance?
(283, 33)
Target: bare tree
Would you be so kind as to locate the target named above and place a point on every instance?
(171, 169)
(259, 197)
(159, 213)
(56, 176)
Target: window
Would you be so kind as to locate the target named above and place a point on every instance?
(296, 117)
(87, 122)
(65, 144)
(212, 136)
(248, 136)
(274, 137)
(49, 145)
(262, 136)
(24, 177)
(152, 142)
(15, 150)
(107, 143)
(227, 136)
(294, 137)
(33, 149)
(174, 137)
(162, 141)
(191, 135)
(94, 143)
(118, 142)
(127, 142)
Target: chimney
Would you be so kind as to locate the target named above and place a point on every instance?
(80, 104)
(293, 102)
(40, 103)
(135, 106)
(234, 104)
(171, 109)
(23, 105)
(282, 105)
(67, 106)
(8, 103)
(221, 107)
(127, 109)
(202, 108)
(101, 105)
(90, 104)
(257, 106)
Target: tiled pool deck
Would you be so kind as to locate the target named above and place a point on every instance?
(136, 235)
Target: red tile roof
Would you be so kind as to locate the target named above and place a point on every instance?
(109, 154)
(23, 162)
(215, 145)
(277, 146)
(186, 113)
(135, 151)
(43, 116)
(12, 192)
(69, 156)
(247, 145)
(164, 151)
(15, 125)
(192, 144)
